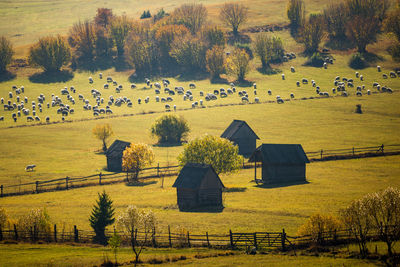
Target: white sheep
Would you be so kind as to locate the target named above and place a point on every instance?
(256, 100)
(291, 95)
(379, 68)
(283, 76)
(292, 69)
(30, 167)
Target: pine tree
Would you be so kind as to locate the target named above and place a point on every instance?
(102, 216)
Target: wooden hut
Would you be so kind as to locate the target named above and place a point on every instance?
(198, 185)
(281, 163)
(114, 155)
(240, 133)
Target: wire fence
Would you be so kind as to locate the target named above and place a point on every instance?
(67, 183)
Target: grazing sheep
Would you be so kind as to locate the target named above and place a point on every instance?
(100, 75)
(291, 95)
(269, 92)
(379, 68)
(157, 85)
(384, 76)
(29, 118)
(392, 74)
(2, 118)
(201, 93)
(280, 101)
(147, 99)
(157, 92)
(133, 86)
(10, 94)
(350, 84)
(192, 85)
(190, 98)
(304, 81)
(357, 74)
(389, 90)
(167, 107)
(174, 107)
(30, 167)
(344, 93)
(255, 92)
(223, 95)
(216, 92)
(375, 84)
(292, 69)
(115, 83)
(325, 65)
(157, 99)
(256, 100)
(201, 102)
(333, 91)
(358, 93)
(139, 101)
(47, 119)
(298, 84)
(90, 80)
(361, 78)
(254, 85)
(37, 118)
(245, 99)
(368, 92)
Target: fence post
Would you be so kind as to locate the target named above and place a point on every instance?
(15, 232)
(208, 241)
(76, 234)
(35, 233)
(158, 169)
(243, 162)
(1, 188)
(66, 182)
(322, 151)
(99, 178)
(188, 239)
(231, 238)
(353, 152)
(55, 233)
(255, 240)
(255, 169)
(169, 236)
(382, 149)
(37, 186)
(283, 239)
(1, 233)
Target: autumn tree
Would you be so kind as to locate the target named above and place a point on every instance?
(165, 36)
(392, 23)
(384, 210)
(218, 152)
(102, 216)
(170, 129)
(365, 23)
(82, 39)
(238, 63)
(296, 13)
(6, 53)
(35, 223)
(189, 52)
(103, 132)
(3, 221)
(135, 158)
(119, 28)
(234, 15)
(133, 220)
(213, 35)
(356, 218)
(312, 33)
(103, 17)
(268, 49)
(50, 53)
(335, 19)
(192, 16)
(215, 61)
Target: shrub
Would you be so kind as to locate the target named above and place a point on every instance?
(320, 226)
(213, 36)
(6, 53)
(50, 53)
(170, 129)
(215, 60)
(357, 61)
(35, 223)
(268, 49)
(145, 14)
(238, 64)
(245, 47)
(219, 152)
(312, 33)
(316, 60)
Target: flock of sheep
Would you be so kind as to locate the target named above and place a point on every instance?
(20, 106)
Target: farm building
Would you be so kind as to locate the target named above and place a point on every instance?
(240, 133)
(198, 185)
(281, 163)
(114, 155)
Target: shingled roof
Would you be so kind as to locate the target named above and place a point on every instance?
(234, 127)
(117, 148)
(280, 154)
(192, 175)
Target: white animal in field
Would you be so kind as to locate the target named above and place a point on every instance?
(30, 167)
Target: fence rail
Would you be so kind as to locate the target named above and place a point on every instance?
(163, 171)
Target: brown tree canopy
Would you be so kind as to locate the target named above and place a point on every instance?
(234, 15)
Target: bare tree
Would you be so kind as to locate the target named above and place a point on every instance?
(193, 16)
(234, 15)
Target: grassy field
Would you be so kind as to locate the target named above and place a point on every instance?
(65, 255)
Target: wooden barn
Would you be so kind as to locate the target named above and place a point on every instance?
(114, 155)
(198, 185)
(240, 133)
(281, 163)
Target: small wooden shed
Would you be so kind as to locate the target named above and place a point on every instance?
(114, 155)
(240, 133)
(198, 185)
(281, 163)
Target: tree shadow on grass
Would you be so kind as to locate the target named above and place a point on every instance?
(372, 58)
(340, 45)
(205, 209)
(219, 80)
(279, 185)
(169, 144)
(240, 38)
(244, 83)
(141, 183)
(51, 77)
(7, 76)
(235, 189)
(192, 76)
(268, 71)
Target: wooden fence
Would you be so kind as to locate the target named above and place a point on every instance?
(158, 172)
(182, 238)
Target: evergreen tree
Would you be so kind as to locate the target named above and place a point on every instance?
(102, 216)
